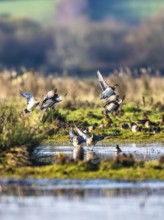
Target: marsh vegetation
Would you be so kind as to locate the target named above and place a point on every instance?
(144, 101)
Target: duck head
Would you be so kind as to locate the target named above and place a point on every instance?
(58, 98)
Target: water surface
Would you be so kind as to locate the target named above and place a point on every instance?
(81, 199)
(141, 151)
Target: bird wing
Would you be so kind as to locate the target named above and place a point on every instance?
(28, 96)
(50, 94)
(102, 83)
(81, 133)
(47, 103)
(123, 98)
(72, 133)
(98, 138)
(121, 101)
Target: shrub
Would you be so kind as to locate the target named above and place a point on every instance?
(14, 131)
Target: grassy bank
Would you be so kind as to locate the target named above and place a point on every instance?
(86, 170)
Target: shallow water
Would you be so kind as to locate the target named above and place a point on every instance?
(141, 151)
(80, 199)
(84, 199)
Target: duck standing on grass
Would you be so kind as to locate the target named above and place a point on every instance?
(50, 99)
(107, 90)
(90, 140)
(125, 126)
(32, 102)
(135, 127)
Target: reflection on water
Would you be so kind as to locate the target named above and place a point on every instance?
(141, 151)
(76, 199)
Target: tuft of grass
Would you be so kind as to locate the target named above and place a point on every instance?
(123, 161)
(14, 131)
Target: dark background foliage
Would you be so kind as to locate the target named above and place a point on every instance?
(81, 36)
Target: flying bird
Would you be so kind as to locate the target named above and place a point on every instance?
(50, 99)
(90, 140)
(107, 90)
(32, 102)
(75, 139)
(111, 106)
(112, 98)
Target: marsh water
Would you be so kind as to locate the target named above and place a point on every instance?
(84, 199)
(141, 151)
(81, 199)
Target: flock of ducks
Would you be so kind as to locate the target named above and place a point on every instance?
(112, 101)
(49, 100)
(77, 136)
(144, 124)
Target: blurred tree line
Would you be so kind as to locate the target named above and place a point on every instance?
(81, 44)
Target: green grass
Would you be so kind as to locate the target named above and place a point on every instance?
(150, 170)
(14, 131)
(84, 117)
(17, 130)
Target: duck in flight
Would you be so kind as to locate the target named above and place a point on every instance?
(90, 140)
(107, 90)
(75, 139)
(50, 99)
(111, 106)
(32, 102)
